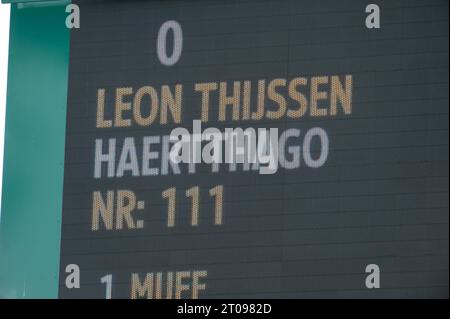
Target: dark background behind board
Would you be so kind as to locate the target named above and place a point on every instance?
(381, 197)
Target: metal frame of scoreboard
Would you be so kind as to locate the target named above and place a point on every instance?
(34, 149)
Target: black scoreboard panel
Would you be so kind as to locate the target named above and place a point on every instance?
(145, 230)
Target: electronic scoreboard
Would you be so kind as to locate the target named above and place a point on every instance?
(357, 188)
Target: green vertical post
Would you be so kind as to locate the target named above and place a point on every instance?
(30, 224)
